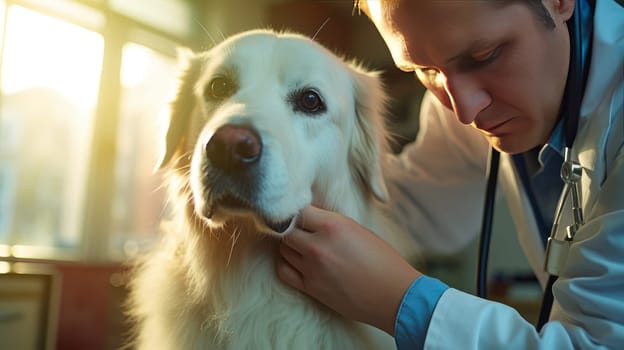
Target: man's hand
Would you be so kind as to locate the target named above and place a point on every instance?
(346, 267)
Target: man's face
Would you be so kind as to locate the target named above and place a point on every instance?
(499, 68)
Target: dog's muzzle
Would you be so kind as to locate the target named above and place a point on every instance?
(233, 153)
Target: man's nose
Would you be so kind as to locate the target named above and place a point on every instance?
(468, 98)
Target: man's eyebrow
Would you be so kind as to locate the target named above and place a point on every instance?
(475, 46)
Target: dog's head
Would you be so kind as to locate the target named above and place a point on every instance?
(264, 124)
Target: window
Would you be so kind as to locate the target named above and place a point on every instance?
(50, 76)
(82, 92)
(146, 78)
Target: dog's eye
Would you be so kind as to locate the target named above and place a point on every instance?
(219, 88)
(308, 101)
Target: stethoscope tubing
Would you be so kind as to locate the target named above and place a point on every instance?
(575, 87)
(488, 218)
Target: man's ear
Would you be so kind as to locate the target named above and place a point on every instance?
(181, 108)
(561, 10)
(369, 140)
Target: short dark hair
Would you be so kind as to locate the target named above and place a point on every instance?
(536, 6)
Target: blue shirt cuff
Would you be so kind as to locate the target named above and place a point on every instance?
(415, 312)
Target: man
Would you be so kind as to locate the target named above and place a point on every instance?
(496, 72)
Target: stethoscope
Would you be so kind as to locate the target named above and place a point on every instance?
(580, 29)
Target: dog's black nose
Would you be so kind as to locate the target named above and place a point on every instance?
(234, 147)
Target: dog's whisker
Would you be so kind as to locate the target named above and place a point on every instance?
(179, 158)
(162, 185)
(221, 33)
(214, 42)
(201, 222)
(235, 235)
(320, 28)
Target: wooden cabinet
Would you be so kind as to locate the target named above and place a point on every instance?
(28, 300)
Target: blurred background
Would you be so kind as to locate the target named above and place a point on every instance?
(84, 86)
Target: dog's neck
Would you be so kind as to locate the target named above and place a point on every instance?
(339, 198)
(240, 291)
(217, 253)
(231, 285)
(222, 253)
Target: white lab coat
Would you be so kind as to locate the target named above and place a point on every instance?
(437, 185)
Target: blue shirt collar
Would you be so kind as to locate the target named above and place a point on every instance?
(554, 147)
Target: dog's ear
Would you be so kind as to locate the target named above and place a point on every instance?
(369, 140)
(181, 108)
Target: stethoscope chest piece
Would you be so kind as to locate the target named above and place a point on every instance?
(556, 255)
(556, 248)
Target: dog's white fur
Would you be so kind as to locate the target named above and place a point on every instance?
(212, 283)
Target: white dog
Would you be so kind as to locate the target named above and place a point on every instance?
(262, 125)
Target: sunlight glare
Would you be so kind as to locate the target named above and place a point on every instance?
(41, 51)
(2, 6)
(136, 59)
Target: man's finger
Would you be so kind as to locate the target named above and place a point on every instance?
(289, 254)
(311, 217)
(289, 274)
(298, 241)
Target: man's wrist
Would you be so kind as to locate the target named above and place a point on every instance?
(415, 312)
